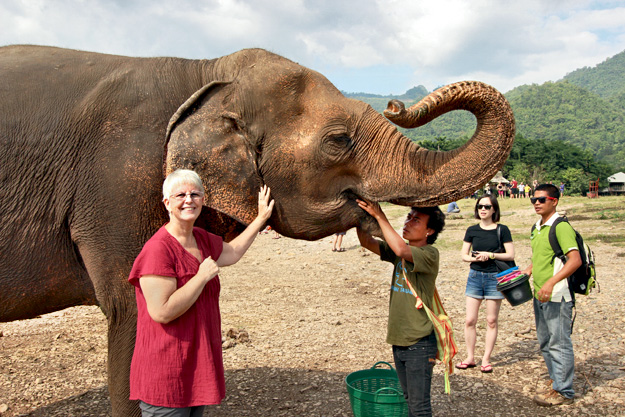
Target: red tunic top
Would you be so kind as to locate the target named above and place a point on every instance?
(178, 364)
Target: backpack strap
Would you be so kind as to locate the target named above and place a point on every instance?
(557, 249)
(553, 240)
(557, 253)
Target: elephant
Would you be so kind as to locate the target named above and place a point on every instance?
(86, 140)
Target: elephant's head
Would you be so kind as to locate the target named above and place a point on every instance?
(261, 118)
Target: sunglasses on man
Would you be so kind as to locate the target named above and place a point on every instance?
(541, 200)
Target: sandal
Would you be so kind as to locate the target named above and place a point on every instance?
(463, 365)
(486, 369)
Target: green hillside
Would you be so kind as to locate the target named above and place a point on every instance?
(605, 79)
(563, 111)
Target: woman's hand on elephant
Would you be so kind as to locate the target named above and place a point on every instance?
(265, 204)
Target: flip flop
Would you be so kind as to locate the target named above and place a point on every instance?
(463, 365)
(486, 369)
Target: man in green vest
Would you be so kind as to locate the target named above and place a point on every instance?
(553, 304)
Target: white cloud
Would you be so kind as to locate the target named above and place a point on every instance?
(502, 42)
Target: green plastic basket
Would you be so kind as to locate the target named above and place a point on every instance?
(376, 392)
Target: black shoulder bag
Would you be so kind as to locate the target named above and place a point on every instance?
(502, 265)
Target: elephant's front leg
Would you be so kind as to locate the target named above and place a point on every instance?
(117, 300)
(121, 344)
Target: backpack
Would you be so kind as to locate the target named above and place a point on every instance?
(584, 279)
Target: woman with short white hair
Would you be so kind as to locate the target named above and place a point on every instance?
(177, 365)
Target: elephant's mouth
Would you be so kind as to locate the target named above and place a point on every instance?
(357, 216)
(219, 223)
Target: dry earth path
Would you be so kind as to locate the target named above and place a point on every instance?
(304, 317)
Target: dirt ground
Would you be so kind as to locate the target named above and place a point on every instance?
(312, 316)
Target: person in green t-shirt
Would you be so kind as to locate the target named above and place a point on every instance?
(410, 331)
(553, 304)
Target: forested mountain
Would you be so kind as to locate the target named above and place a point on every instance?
(563, 111)
(582, 116)
(605, 80)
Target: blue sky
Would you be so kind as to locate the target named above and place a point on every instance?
(381, 47)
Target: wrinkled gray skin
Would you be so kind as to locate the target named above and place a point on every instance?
(86, 140)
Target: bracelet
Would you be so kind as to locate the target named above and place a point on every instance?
(492, 255)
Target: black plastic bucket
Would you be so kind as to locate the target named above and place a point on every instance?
(518, 291)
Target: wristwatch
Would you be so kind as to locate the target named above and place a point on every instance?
(492, 255)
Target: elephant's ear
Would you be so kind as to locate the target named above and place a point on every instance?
(182, 110)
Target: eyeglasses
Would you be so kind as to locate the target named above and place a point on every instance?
(484, 206)
(195, 195)
(541, 200)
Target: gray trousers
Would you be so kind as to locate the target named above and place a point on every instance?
(148, 410)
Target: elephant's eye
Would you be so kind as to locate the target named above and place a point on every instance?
(230, 123)
(338, 147)
(340, 141)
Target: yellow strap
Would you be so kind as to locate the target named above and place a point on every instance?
(445, 340)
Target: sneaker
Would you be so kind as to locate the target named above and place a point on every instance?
(551, 398)
(544, 386)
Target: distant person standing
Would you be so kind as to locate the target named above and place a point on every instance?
(534, 185)
(514, 189)
(528, 190)
(561, 189)
(337, 241)
(522, 190)
(500, 189)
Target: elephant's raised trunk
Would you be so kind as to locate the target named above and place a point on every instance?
(447, 176)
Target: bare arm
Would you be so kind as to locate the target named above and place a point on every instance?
(165, 302)
(367, 241)
(464, 253)
(394, 240)
(234, 250)
(485, 256)
(508, 255)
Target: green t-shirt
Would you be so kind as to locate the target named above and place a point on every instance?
(406, 323)
(542, 254)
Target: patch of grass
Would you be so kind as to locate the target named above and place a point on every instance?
(607, 238)
(611, 215)
(578, 217)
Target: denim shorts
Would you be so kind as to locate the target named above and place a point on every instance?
(482, 285)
